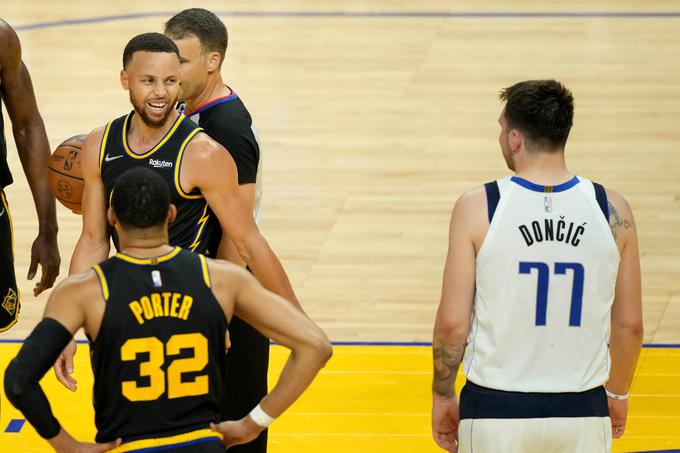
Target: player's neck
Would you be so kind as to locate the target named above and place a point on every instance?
(544, 168)
(143, 137)
(143, 246)
(214, 89)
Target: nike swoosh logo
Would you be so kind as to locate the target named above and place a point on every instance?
(108, 158)
(2, 212)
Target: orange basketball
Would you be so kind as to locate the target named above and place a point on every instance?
(65, 174)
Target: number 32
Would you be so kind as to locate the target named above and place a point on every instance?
(153, 367)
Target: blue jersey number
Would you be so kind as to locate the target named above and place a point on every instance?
(542, 289)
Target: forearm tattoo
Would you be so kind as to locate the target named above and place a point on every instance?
(446, 359)
(616, 221)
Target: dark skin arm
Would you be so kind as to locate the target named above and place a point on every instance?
(34, 151)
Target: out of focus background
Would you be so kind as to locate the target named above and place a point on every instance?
(374, 116)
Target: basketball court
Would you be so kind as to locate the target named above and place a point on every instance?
(374, 117)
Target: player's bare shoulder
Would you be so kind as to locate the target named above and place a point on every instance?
(469, 215)
(202, 148)
(621, 220)
(82, 283)
(10, 47)
(80, 289)
(472, 200)
(224, 274)
(91, 150)
(205, 162)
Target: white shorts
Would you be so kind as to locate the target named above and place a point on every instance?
(535, 435)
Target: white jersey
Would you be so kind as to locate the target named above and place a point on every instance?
(545, 281)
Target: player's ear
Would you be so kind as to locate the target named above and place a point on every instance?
(124, 79)
(214, 60)
(111, 216)
(172, 213)
(515, 140)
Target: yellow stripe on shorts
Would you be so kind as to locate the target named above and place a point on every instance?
(201, 435)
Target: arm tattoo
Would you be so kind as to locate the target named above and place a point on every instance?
(447, 359)
(616, 221)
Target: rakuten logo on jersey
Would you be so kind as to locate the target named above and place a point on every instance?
(155, 163)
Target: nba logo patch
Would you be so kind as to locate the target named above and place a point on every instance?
(547, 203)
(156, 279)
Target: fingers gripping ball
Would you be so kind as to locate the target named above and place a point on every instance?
(65, 174)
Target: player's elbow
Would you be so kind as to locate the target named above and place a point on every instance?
(636, 330)
(324, 351)
(633, 329)
(320, 347)
(246, 244)
(25, 128)
(451, 328)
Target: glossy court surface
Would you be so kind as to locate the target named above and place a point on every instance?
(369, 399)
(374, 117)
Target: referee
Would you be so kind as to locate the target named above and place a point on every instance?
(202, 41)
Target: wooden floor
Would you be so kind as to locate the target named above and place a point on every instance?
(373, 120)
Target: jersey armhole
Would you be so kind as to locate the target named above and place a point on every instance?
(178, 164)
(205, 271)
(102, 281)
(493, 196)
(601, 197)
(102, 145)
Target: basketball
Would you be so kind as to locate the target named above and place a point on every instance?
(65, 175)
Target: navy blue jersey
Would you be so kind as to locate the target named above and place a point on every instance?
(159, 357)
(5, 175)
(196, 227)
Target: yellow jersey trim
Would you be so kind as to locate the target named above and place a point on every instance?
(178, 164)
(9, 217)
(170, 441)
(172, 130)
(102, 281)
(201, 224)
(102, 146)
(18, 293)
(153, 260)
(204, 268)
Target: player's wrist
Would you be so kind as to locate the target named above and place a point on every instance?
(620, 396)
(48, 229)
(260, 417)
(444, 398)
(62, 442)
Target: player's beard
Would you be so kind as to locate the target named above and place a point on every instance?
(140, 109)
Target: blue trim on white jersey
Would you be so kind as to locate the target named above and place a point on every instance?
(545, 189)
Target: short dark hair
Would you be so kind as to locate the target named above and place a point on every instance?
(148, 42)
(205, 25)
(140, 199)
(543, 110)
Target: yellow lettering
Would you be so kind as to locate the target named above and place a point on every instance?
(186, 306)
(166, 303)
(156, 302)
(146, 305)
(137, 311)
(175, 304)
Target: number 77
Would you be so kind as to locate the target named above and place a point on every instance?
(542, 289)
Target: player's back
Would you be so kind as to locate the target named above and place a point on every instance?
(158, 359)
(545, 281)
